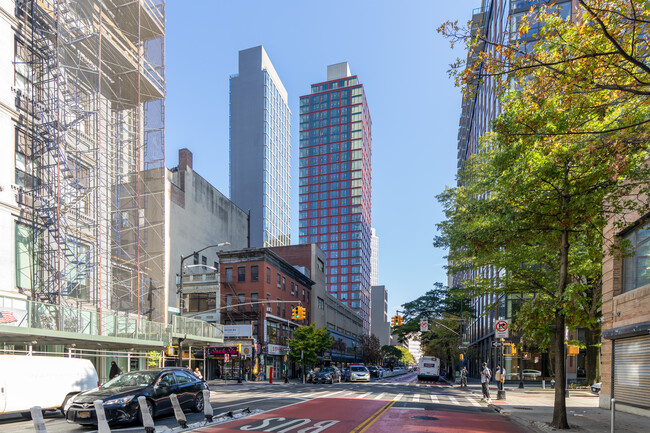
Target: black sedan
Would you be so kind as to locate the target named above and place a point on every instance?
(327, 375)
(120, 396)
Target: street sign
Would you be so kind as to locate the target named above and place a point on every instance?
(226, 357)
(496, 344)
(501, 329)
(424, 326)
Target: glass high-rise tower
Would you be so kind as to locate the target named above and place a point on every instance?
(335, 182)
(260, 148)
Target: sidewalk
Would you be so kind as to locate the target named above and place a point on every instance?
(532, 407)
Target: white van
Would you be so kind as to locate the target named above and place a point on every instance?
(45, 381)
(429, 368)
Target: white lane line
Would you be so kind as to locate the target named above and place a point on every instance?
(434, 398)
(398, 397)
(453, 400)
(416, 398)
(363, 395)
(474, 402)
(331, 394)
(379, 396)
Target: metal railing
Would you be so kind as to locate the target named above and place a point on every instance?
(196, 329)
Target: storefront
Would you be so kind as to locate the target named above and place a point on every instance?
(276, 357)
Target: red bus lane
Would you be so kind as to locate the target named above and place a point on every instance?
(327, 415)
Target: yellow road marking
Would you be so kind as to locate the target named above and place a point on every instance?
(372, 419)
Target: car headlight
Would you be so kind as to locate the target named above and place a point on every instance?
(121, 400)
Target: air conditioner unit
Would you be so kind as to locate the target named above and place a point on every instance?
(269, 309)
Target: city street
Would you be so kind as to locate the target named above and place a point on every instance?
(396, 404)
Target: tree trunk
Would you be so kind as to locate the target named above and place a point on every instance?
(559, 408)
(592, 358)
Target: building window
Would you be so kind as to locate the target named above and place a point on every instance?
(229, 302)
(241, 299)
(24, 256)
(636, 267)
(228, 275)
(320, 303)
(201, 302)
(204, 260)
(279, 281)
(241, 274)
(196, 258)
(284, 284)
(268, 275)
(278, 307)
(254, 299)
(255, 273)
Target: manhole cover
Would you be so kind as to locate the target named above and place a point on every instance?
(524, 408)
(426, 418)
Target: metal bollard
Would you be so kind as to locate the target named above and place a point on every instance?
(102, 424)
(613, 418)
(178, 412)
(147, 419)
(37, 417)
(207, 407)
(543, 384)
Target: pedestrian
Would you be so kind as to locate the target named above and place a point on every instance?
(246, 373)
(115, 370)
(463, 377)
(284, 373)
(197, 373)
(486, 374)
(498, 376)
(218, 372)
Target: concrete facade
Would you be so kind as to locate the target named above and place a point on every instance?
(260, 148)
(374, 258)
(198, 215)
(379, 325)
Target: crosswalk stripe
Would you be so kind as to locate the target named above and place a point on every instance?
(379, 396)
(398, 397)
(474, 402)
(453, 400)
(362, 395)
(416, 398)
(434, 398)
(331, 394)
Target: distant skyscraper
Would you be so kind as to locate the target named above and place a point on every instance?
(374, 258)
(260, 148)
(335, 174)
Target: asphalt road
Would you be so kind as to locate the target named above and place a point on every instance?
(395, 404)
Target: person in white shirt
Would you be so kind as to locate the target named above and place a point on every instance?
(485, 382)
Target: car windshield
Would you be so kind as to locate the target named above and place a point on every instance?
(359, 369)
(142, 378)
(326, 370)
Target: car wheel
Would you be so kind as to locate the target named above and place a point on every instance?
(151, 411)
(199, 402)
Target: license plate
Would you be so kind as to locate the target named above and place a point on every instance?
(83, 414)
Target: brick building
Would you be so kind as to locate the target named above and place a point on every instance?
(625, 350)
(257, 275)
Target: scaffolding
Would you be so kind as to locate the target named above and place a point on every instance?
(92, 128)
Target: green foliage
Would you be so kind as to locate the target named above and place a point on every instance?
(398, 355)
(153, 358)
(311, 341)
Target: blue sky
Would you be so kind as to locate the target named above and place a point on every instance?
(402, 62)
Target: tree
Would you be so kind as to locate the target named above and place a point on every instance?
(370, 349)
(567, 153)
(310, 343)
(398, 355)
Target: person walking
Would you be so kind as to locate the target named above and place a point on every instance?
(463, 377)
(486, 374)
(115, 370)
(498, 376)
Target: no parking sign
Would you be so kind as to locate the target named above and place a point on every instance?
(501, 329)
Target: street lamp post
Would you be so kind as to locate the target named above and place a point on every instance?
(181, 302)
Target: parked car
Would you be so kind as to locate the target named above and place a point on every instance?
(327, 375)
(358, 373)
(63, 377)
(120, 396)
(375, 371)
(595, 388)
(531, 374)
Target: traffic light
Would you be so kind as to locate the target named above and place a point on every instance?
(400, 320)
(393, 321)
(239, 348)
(462, 356)
(294, 313)
(301, 313)
(172, 350)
